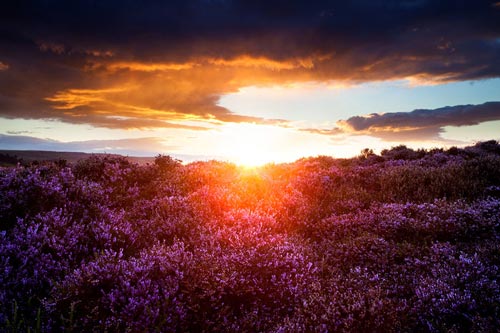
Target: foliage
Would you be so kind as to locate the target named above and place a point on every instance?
(402, 242)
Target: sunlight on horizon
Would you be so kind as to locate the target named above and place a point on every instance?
(252, 145)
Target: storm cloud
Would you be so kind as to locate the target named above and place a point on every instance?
(137, 64)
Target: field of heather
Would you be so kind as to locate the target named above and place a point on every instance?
(404, 241)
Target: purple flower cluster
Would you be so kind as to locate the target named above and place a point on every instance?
(406, 241)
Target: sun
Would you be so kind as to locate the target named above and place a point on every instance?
(251, 145)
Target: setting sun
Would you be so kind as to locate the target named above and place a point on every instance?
(251, 144)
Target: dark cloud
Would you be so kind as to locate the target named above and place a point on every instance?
(458, 115)
(417, 125)
(152, 62)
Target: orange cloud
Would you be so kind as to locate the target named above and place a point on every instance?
(106, 102)
(73, 98)
(190, 90)
(242, 61)
(148, 67)
(151, 93)
(159, 92)
(267, 63)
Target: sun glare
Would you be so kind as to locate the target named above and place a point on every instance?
(251, 145)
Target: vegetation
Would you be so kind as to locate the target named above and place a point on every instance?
(399, 242)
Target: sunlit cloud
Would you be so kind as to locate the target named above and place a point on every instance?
(267, 63)
(242, 61)
(129, 106)
(73, 98)
(148, 67)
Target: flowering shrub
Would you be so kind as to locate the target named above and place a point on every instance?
(116, 293)
(402, 242)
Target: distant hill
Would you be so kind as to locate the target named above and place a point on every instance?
(12, 157)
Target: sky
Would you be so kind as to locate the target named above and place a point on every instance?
(248, 81)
